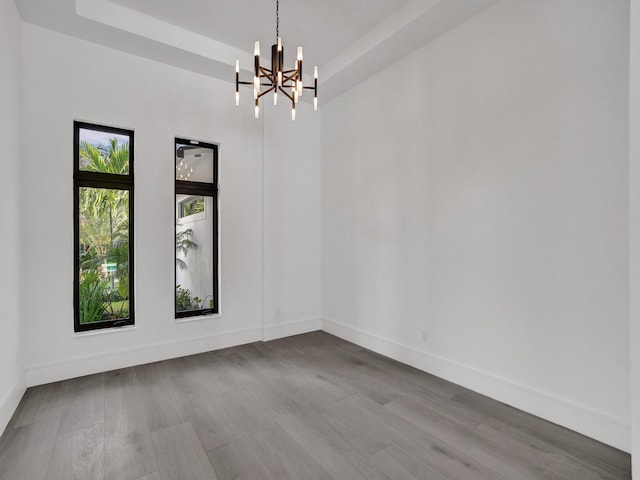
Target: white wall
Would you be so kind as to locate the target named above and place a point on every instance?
(11, 381)
(66, 79)
(477, 190)
(291, 220)
(197, 276)
(634, 197)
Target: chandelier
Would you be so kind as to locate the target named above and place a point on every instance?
(277, 78)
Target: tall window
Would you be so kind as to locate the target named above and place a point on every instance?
(196, 220)
(103, 227)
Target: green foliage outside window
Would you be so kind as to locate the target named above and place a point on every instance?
(192, 206)
(104, 236)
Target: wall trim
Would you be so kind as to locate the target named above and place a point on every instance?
(48, 372)
(596, 424)
(288, 329)
(9, 404)
(39, 374)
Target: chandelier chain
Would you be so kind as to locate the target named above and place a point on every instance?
(277, 19)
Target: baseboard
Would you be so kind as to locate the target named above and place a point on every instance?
(86, 365)
(570, 414)
(288, 329)
(9, 404)
(103, 362)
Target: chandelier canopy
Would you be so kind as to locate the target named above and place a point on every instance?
(277, 78)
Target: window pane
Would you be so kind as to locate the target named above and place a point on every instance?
(194, 256)
(194, 163)
(104, 254)
(190, 206)
(104, 152)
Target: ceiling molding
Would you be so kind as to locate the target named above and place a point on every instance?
(410, 27)
(128, 20)
(417, 24)
(381, 33)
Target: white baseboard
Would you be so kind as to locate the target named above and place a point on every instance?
(103, 362)
(568, 413)
(575, 416)
(9, 404)
(288, 329)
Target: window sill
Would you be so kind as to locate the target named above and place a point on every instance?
(103, 331)
(198, 318)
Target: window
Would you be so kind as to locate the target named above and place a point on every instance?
(102, 227)
(196, 232)
(191, 206)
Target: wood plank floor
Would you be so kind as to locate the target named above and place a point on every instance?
(305, 407)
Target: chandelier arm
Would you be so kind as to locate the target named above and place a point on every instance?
(290, 97)
(289, 78)
(266, 91)
(253, 84)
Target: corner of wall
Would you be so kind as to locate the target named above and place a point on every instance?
(12, 381)
(10, 403)
(289, 329)
(634, 232)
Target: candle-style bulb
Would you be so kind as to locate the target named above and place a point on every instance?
(315, 72)
(315, 104)
(275, 98)
(237, 82)
(279, 44)
(257, 111)
(256, 50)
(299, 53)
(293, 114)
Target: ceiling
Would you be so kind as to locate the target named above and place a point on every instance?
(348, 39)
(240, 23)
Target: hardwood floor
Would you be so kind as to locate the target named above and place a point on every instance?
(306, 407)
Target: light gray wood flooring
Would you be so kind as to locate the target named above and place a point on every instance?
(305, 407)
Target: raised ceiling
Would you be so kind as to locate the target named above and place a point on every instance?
(324, 27)
(348, 39)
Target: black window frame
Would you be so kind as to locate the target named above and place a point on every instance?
(87, 179)
(205, 189)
